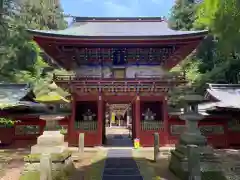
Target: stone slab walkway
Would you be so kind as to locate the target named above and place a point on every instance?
(120, 165)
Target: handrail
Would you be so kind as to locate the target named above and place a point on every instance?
(107, 79)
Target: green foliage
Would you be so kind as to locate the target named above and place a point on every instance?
(183, 15)
(20, 59)
(217, 59)
(57, 175)
(7, 122)
(55, 157)
(222, 17)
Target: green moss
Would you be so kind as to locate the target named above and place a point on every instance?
(58, 157)
(51, 97)
(57, 175)
(176, 168)
(33, 175)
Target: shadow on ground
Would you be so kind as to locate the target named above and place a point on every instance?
(118, 140)
(122, 168)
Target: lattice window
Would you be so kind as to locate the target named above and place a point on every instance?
(27, 130)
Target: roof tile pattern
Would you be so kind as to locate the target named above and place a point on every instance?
(120, 27)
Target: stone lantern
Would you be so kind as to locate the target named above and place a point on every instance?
(51, 141)
(192, 136)
(191, 116)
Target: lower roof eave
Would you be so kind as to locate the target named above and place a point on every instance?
(47, 35)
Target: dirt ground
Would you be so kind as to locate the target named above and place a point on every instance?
(11, 163)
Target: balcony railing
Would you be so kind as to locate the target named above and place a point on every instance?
(90, 84)
(143, 78)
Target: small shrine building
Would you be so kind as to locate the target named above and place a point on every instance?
(18, 103)
(118, 61)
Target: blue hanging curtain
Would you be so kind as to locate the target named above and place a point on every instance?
(118, 57)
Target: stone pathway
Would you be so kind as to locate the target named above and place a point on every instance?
(118, 137)
(120, 165)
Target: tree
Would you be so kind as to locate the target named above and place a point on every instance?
(21, 60)
(217, 59)
(222, 17)
(183, 15)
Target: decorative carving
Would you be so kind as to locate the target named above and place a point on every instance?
(149, 115)
(156, 55)
(89, 116)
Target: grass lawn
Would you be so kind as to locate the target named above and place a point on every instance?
(151, 170)
(90, 165)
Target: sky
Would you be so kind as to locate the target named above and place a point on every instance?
(117, 8)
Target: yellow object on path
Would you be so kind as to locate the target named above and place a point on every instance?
(113, 118)
(136, 143)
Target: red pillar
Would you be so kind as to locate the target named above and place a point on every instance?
(71, 135)
(100, 120)
(165, 120)
(137, 118)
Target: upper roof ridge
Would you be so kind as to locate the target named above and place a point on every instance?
(117, 19)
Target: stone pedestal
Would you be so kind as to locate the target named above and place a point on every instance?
(209, 164)
(50, 142)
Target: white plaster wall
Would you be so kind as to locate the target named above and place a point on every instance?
(91, 70)
(130, 71)
(145, 70)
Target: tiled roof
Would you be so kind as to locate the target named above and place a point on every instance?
(227, 96)
(13, 93)
(113, 27)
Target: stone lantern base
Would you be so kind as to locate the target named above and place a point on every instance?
(50, 142)
(209, 164)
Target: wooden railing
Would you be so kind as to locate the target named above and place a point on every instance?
(152, 125)
(88, 84)
(86, 125)
(143, 78)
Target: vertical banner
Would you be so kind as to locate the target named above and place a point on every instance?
(113, 117)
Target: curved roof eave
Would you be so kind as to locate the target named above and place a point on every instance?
(56, 34)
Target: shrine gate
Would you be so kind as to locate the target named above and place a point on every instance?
(118, 60)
